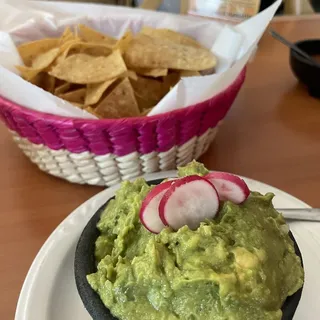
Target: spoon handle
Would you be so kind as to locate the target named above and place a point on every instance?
(304, 214)
(292, 46)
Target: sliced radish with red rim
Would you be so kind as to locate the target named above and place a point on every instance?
(229, 186)
(189, 201)
(149, 213)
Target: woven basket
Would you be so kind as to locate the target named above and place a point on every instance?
(104, 152)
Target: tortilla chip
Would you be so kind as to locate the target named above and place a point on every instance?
(78, 105)
(78, 46)
(146, 111)
(96, 90)
(41, 80)
(90, 35)
(66, 46)
(63, 88)
(152, 72)
(124, 42)
(188, 73)
(120, 103)
(132, 75)
(37, 80)
(45, 59)
(171, 35)
(143, 103)
(48, 83)
(92, 49)
(28, 51)
(39, 63)
(64, 51)
(154, 53)
(76, 96)
(92, 111)
(84, 69)
(171, 80)
(59, 82)
(148, 91)
(67, 36)
(28, 73)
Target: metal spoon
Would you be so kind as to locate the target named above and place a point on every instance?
(304, 214)
(291, 45)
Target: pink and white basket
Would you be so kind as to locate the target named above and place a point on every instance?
(104, 152)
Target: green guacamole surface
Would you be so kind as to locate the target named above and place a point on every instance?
(239, 266)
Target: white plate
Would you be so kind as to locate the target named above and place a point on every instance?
(49, 291)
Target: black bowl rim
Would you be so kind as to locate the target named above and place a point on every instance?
(91, 300)
(297, 56)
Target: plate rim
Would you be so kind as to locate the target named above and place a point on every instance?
(26, 290)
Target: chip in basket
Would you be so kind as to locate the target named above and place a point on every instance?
(152, 52)
(93, 49)
(113, 78)
(83, 68)
(119, 103)
(47, 82)
(64, 87)
(76, 96)
(96, 90)
(39, 63)
(67, 36)
(44, 81)
(124, 42)
(148, 98)
(171, 35)
(152, 72)
(31, 50)
(91, 35)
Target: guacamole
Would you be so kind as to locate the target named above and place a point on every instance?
(239, 266)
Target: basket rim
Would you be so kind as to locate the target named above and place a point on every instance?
(56, 118)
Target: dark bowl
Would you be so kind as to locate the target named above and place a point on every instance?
(85, 264)
(307, 73)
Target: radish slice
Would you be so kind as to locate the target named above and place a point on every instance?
(189, 201)
(149, 214)
(229, 186)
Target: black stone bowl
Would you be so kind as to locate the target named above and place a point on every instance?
(85, 264)
(304, 70)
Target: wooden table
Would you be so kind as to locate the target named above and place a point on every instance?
(272, 134)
